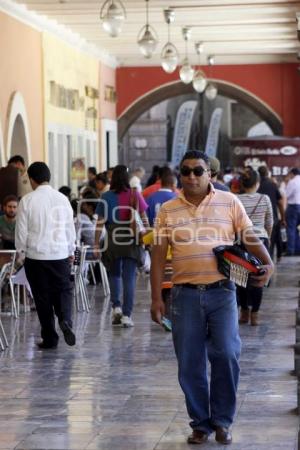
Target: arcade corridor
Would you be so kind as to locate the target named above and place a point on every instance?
(117, 389)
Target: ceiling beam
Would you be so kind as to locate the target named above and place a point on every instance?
(237, 4)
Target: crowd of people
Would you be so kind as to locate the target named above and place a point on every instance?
(188, 212)
(273, 209)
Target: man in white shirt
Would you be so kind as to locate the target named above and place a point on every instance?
(137, 176)
(293, 212)
(45, 233)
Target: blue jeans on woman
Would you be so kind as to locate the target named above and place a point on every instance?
(205, 327)
(123, 273)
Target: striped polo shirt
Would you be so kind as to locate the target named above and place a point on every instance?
(193, 232)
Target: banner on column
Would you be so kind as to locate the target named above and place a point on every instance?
(184, 120)
(213, 132)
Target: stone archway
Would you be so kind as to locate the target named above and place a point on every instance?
(166, 91)
(18, 140)
(2, 151)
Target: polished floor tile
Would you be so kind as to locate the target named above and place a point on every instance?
(117, 388)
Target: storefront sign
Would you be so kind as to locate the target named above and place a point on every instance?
(110, 94)
(287, 150)
(278, 154)
(255, 163)
(91, 113)
(91, 92)
(62, 97)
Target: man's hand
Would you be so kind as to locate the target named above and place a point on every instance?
(262, 280)
(20, 257)
(71, 259)
(157, 310)
(158, 261)
(96, 251)
(256, 247)
(283, 223)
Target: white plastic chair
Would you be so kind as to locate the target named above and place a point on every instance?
(104, 277)
(3, 338)
(8, 257)
(91, 264)
(103, 272)
(80, 291)
(19, 279)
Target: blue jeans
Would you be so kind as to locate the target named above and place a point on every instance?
(292, 217)
(123, 272)
(205, 326)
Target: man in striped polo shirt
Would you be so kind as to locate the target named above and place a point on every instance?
(204, 308)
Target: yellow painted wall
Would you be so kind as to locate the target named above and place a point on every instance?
(72, 69)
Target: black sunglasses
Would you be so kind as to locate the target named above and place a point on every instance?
(198, 171)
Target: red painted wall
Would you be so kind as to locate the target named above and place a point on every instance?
(278, 85)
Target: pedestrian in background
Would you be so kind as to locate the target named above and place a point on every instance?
(45, 234)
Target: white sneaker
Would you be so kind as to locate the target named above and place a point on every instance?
(127, 322)
(117, 316)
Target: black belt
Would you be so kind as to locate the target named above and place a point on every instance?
(205, 287)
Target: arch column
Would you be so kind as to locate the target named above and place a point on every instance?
(17, 117)
(173, 89)
(2, 150)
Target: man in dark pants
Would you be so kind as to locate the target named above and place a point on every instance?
(293, 212)
(268, 187)
(45, 233)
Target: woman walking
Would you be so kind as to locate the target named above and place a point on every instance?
(122, 250)
(259, 210)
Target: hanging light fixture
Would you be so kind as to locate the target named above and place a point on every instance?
(112, 15)
(211, 91)
(199, 80)
(169, 55)
(186, 72)
(147, 37)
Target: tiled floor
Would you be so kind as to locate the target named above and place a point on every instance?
(117, 389)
